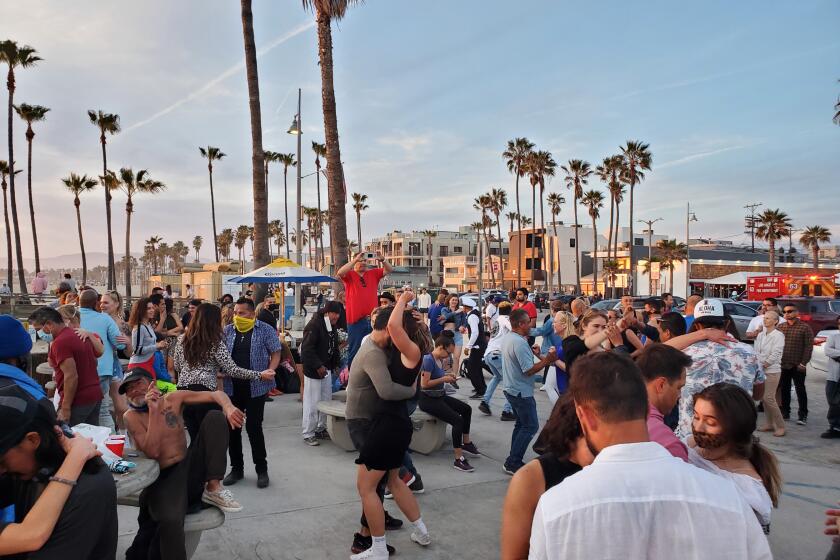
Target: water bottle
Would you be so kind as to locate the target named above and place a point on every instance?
(33, 334)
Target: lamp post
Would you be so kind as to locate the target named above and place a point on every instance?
(689, 217)
(297, 130)
(649, 224)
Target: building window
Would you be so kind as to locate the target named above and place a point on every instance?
(444, 251)
(572, 242)
(533, 264)
(638, 241)
(458, 250)
(451, 270)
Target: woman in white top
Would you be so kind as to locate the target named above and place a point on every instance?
(769, 345)
(556, 378)
(722, 442)
(493, 359)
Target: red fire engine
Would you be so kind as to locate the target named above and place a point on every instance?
(760, 287)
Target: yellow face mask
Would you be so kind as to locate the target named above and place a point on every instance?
(243, 324)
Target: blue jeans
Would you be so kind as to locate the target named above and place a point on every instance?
(105, 418)
(526, 427)
(355, 333)
(494, 362)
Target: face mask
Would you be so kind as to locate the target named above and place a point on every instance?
(709, 441)
(46, 337)
(142, 408)
(243, 324)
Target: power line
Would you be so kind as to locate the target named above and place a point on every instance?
(749, 223)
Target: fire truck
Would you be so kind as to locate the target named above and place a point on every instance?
(780, 285)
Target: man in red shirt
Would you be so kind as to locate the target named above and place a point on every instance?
(523, 303)
(74, 363)
(361, 286)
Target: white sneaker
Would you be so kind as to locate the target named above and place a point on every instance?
(423, 539)
(370, 554)
(222, 499)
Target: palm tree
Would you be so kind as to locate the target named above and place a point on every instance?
(610, 270)
(77, 184)
(429, 234)
(107, 123)
(24, 57)
(197, 242)
(359, 206)
(4, 172)
(512, 218)
(530, 168)
(526, 221)
(609, 172)
(672, 251)
(269, 157)
(515, 156)
(179, 251)
(637, 159)
(212, 154)
(577, 175)
(540, 165)
(162, 254)
(555, 203)
(482, 204)
(772, 226)
(152, 243)
(31, 114)
(498, 202)
(594, 201)
(811, 238)
(225, 241)
(320, 151)
(304, 237)
(327, 11)
(240, 238)
(131, 184)
(275, 232)
(287, 160)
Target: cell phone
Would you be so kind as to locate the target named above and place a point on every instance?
(370, 256)
(66, 430)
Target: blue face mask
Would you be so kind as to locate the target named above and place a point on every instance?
(46, 337)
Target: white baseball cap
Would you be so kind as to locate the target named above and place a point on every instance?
(709, 308)
(467, 302)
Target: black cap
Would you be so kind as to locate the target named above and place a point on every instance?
(332, 307)
(133, 374)
(17, 410)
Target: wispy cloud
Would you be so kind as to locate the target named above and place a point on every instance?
(700, 155)
(233, 70)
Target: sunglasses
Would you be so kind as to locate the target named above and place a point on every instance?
(789, 311)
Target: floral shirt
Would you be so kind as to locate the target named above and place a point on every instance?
(715, 363)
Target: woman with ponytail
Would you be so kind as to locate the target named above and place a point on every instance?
(723, 442)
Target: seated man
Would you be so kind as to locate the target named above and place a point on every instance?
(156, 425)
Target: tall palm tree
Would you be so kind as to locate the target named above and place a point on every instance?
(594, 201)
(637, 159)
(225, 241)
(498, 202)
(287, 160)
(515, 156)
(269, 157)
(259, 254)
(304, 237)
(429, 234)
(577, 175)
(197, 242)
(77, 184)
(131, 184)
(530, 167)
(275, 230)
(487, 224)
(4, 172)
(512, 218)
(327, 11)
(240, 238)
(609, 172)
(152, 243)
(555, 204)
(772, 226)
(359, 206)
(179, 251)
(672, 251)
(320, 152)
(23, 57)
(107, 123)
(526, 221)
(31, 114)
(811, 238)
(212, 154)
(482, 204)
(540, 164)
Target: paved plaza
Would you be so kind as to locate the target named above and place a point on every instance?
(311, 508)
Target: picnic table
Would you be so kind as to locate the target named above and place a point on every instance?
(138, 478)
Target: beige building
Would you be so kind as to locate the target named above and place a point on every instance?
(460, 273)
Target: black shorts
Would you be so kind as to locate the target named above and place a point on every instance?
(383, 441)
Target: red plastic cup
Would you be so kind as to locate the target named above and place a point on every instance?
(116, 446)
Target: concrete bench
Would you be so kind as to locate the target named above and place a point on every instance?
(429, 432)
(194, 523)
(340, 396)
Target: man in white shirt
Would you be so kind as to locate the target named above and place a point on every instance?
(474, 348)
(636, 500)
(491, 312)
(757, 323)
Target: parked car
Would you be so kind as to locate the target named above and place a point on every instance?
(819, 313)
(606, 304)
(819, 361)
(741, 315)
(754, 304)
(639, 302)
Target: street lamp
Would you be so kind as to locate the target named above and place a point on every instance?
(297, 130)
(689, 217)
(649, 224)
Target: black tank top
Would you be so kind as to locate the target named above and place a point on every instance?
(554, 470)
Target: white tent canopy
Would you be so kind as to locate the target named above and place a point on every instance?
(734, 279)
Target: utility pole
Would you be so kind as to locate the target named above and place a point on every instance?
(649, 224)
(749, 223)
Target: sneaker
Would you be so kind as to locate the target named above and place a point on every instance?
(484, 408)
(322, 434)
(831, 433)
(470, 449)
(370, 554)
(311, 440)
(362, 543)
(423, 539)
(262, 480)
(406, 477)
(222, 499)
(462, 465)
(802, 421)
(476, 396)
(233, 477)
(275, 393)
(508, 470)
(392, 523)
(417, 485)
(508, 416)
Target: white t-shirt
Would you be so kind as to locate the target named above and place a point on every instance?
(757, 323)
(424, 301)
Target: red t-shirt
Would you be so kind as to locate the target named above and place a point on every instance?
(527, 306)
(362, 293)
(68, 345)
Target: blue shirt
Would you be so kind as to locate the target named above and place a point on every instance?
(689, 320)
(264, 342)
(545, 331)
(517, 358)
(107, 329)
(434, 313)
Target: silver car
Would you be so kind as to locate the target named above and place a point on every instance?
(741, 315)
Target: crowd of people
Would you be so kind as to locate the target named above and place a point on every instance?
(653, 414)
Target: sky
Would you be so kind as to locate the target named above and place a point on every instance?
(735, 100)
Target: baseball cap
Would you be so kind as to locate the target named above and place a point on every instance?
(17, 410)
(332, 307)
(467, 302)
(14, 340)
(709, 309)
(133, 374)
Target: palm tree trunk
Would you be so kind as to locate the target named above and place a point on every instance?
(594, 257)
(260, 251)
(577, 245)
(359, 227)
(9, 267)
(559, 262)
(337, 195)
(519, 258)
(609, 242)
(487, 244)
(129, 207)
(286, 206)
(29, 136)
(534, 237)
(542, 240)
(671, 276)
(18, 251)
(320, 222)
(81, 240)
(816, 258)
(213, 212)
(632, 275)
(501, 254)
(771, 253)
(112, 278)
